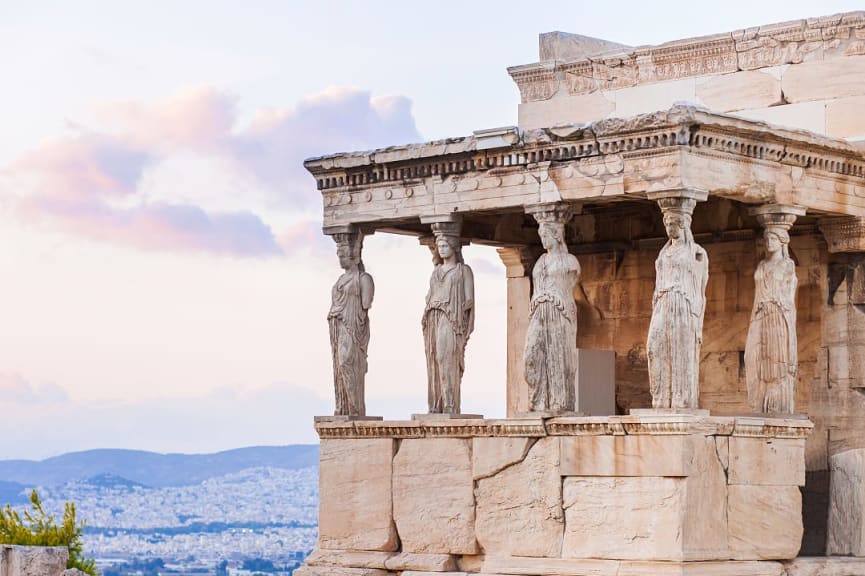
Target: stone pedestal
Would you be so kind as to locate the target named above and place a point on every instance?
(639, 494)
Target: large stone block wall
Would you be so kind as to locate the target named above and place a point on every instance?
(807, 74)
(559, 496)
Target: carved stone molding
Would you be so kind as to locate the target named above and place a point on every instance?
(844, 233)
(553, 212)
(747, 426)
(750, 49)
(777, 215)
(518, 260)
(775, 427)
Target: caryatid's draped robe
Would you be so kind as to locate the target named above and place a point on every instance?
(676, 328)
(448, 321)
(770, 350)
(349, 338)
(551, 337)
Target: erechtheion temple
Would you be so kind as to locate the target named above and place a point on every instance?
(683, 232)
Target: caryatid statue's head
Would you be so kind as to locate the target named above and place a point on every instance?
(552, 235)
(677, 217)
(348, 249)
(777, 239)
(448, 245)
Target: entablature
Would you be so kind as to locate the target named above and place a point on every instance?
(607, 161)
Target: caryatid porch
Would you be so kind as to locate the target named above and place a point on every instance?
(616, 177)
(611, 174)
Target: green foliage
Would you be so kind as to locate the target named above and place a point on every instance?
(40, 529)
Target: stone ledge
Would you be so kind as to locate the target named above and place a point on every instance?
(648, 425)
(826, 566)
(520, 566)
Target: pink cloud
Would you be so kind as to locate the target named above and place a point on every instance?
(195, 118)
(87, 183)
(82, 167)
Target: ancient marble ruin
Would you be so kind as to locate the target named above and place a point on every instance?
(678, 305)
(348, 319)
(551, 337)
(683, 233)
(771, 348)
(448, 320)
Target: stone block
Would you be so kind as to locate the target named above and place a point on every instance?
(653, 97)
(659, 514)
(635, 518)
(519, 509)
(491, 455)
(809, 116)
(767, 461)
(826, 567)
(628, 455)
(846, 530)
(739, 91)
(433, 497)
(706, 487)
(764, 522)
(844, 118)
(426, 562)
(339, 571)
(727, 568)
(565, 110)
(355, 508)
(348, 558)
(543, 566)
(36, 560)
(830, 79)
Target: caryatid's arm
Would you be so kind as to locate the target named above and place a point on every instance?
(367, 291)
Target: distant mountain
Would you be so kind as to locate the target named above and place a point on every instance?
(130, 467)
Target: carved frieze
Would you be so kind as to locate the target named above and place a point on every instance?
(751, 49)
(591, 160)
(844, 233)
(661, 425)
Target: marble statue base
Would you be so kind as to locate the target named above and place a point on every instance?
(436, 416)
(578, 495)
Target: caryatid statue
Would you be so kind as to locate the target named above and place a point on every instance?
(551, 337)
(448, 320)
(771, 348)
(351, 298)
(678, 305)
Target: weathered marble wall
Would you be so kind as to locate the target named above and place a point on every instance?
(568, 496)
(805, 74)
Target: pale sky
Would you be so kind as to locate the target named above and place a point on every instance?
(167, 283)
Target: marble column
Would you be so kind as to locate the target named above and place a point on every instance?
(518, 261)
(771, 348)
(678, 305)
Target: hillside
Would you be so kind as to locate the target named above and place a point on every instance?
(151, 468)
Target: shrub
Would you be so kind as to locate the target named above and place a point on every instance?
(39, 529)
